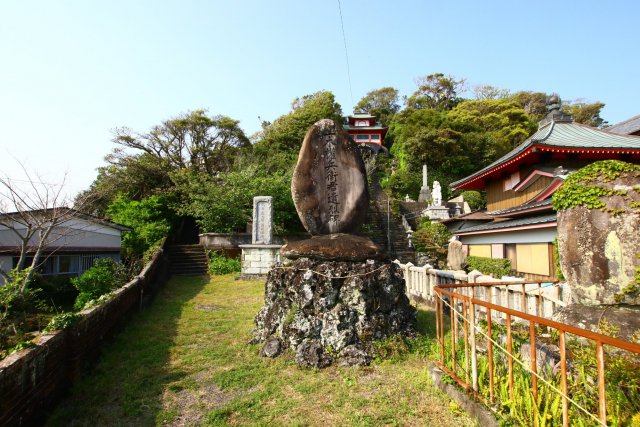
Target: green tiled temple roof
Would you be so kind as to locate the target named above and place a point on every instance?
(563, 134)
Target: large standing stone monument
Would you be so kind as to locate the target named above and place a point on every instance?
(337, 295)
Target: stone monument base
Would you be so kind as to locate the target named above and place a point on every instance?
(332, 311)
(257, 260)
(437, 212)
(333, 247)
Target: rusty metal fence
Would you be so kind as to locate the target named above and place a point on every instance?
(468, 315)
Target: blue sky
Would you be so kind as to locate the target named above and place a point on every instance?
(74, 70)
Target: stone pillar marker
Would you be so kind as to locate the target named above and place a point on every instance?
(425, 193)
(261, 254)
(262, 233)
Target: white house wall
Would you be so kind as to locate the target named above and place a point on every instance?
(540, 235)
(76, 233)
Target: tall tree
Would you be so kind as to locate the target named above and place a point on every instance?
(382, 103)
(436, 91)
(505, 122)
(287, 132)
(533, 103)
(585, 112)
(482, 92)
(193, 140)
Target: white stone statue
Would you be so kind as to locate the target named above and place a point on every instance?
(436, 194)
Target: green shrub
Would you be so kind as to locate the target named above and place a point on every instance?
(475, 199)
(432, 238)
(220, 264)
(105, 276)
(497, 267)
(61, 321)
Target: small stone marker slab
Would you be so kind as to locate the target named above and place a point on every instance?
(329, 184)
(262, 232)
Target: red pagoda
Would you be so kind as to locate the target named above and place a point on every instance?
(364, 129)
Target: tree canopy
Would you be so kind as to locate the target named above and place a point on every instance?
(436, 91)
(382, 103)
(287, 131)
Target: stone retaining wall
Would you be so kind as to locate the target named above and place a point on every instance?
(33, 380)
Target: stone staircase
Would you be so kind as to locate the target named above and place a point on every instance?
(397, 244)
(187, 260)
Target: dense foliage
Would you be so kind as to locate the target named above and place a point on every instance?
(104, 277)
(149, 220)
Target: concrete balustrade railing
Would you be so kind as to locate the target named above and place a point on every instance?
(544, 299)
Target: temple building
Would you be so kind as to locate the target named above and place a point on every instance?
(364, 129)
(519, 187)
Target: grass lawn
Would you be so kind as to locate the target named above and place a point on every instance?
(185, 361)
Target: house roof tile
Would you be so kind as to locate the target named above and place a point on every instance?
(501, 225)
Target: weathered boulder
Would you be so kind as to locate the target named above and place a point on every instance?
(598, 233)
(333, 247)
(333, 311)
(329, 185)
(456, 258)
(625, 319)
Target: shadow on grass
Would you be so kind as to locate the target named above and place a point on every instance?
(126, 385)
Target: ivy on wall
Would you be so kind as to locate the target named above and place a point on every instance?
(581, 188)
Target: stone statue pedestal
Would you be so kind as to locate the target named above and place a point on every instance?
(437, 212)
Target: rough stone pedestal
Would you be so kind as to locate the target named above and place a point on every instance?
(323, 317)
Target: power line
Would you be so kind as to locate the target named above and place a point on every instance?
(346, 53)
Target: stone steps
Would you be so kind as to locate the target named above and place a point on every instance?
(397, 245)
(187, 260)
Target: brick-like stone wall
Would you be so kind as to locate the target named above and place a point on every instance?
(33, 380)
(258, 259)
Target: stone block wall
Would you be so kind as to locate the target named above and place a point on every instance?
(33, 380)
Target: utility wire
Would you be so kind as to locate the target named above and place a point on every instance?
(346, 53)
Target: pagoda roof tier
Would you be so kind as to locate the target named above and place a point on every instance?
(376, 127)
(554, 136)
(362, 116)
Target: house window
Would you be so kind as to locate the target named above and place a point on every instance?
(533, 258)
(362, 138)
(480, 250)
(67, 264)
(362, 123)
(511, 181)
(375, 137)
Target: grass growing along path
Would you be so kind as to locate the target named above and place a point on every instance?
(185, 361)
